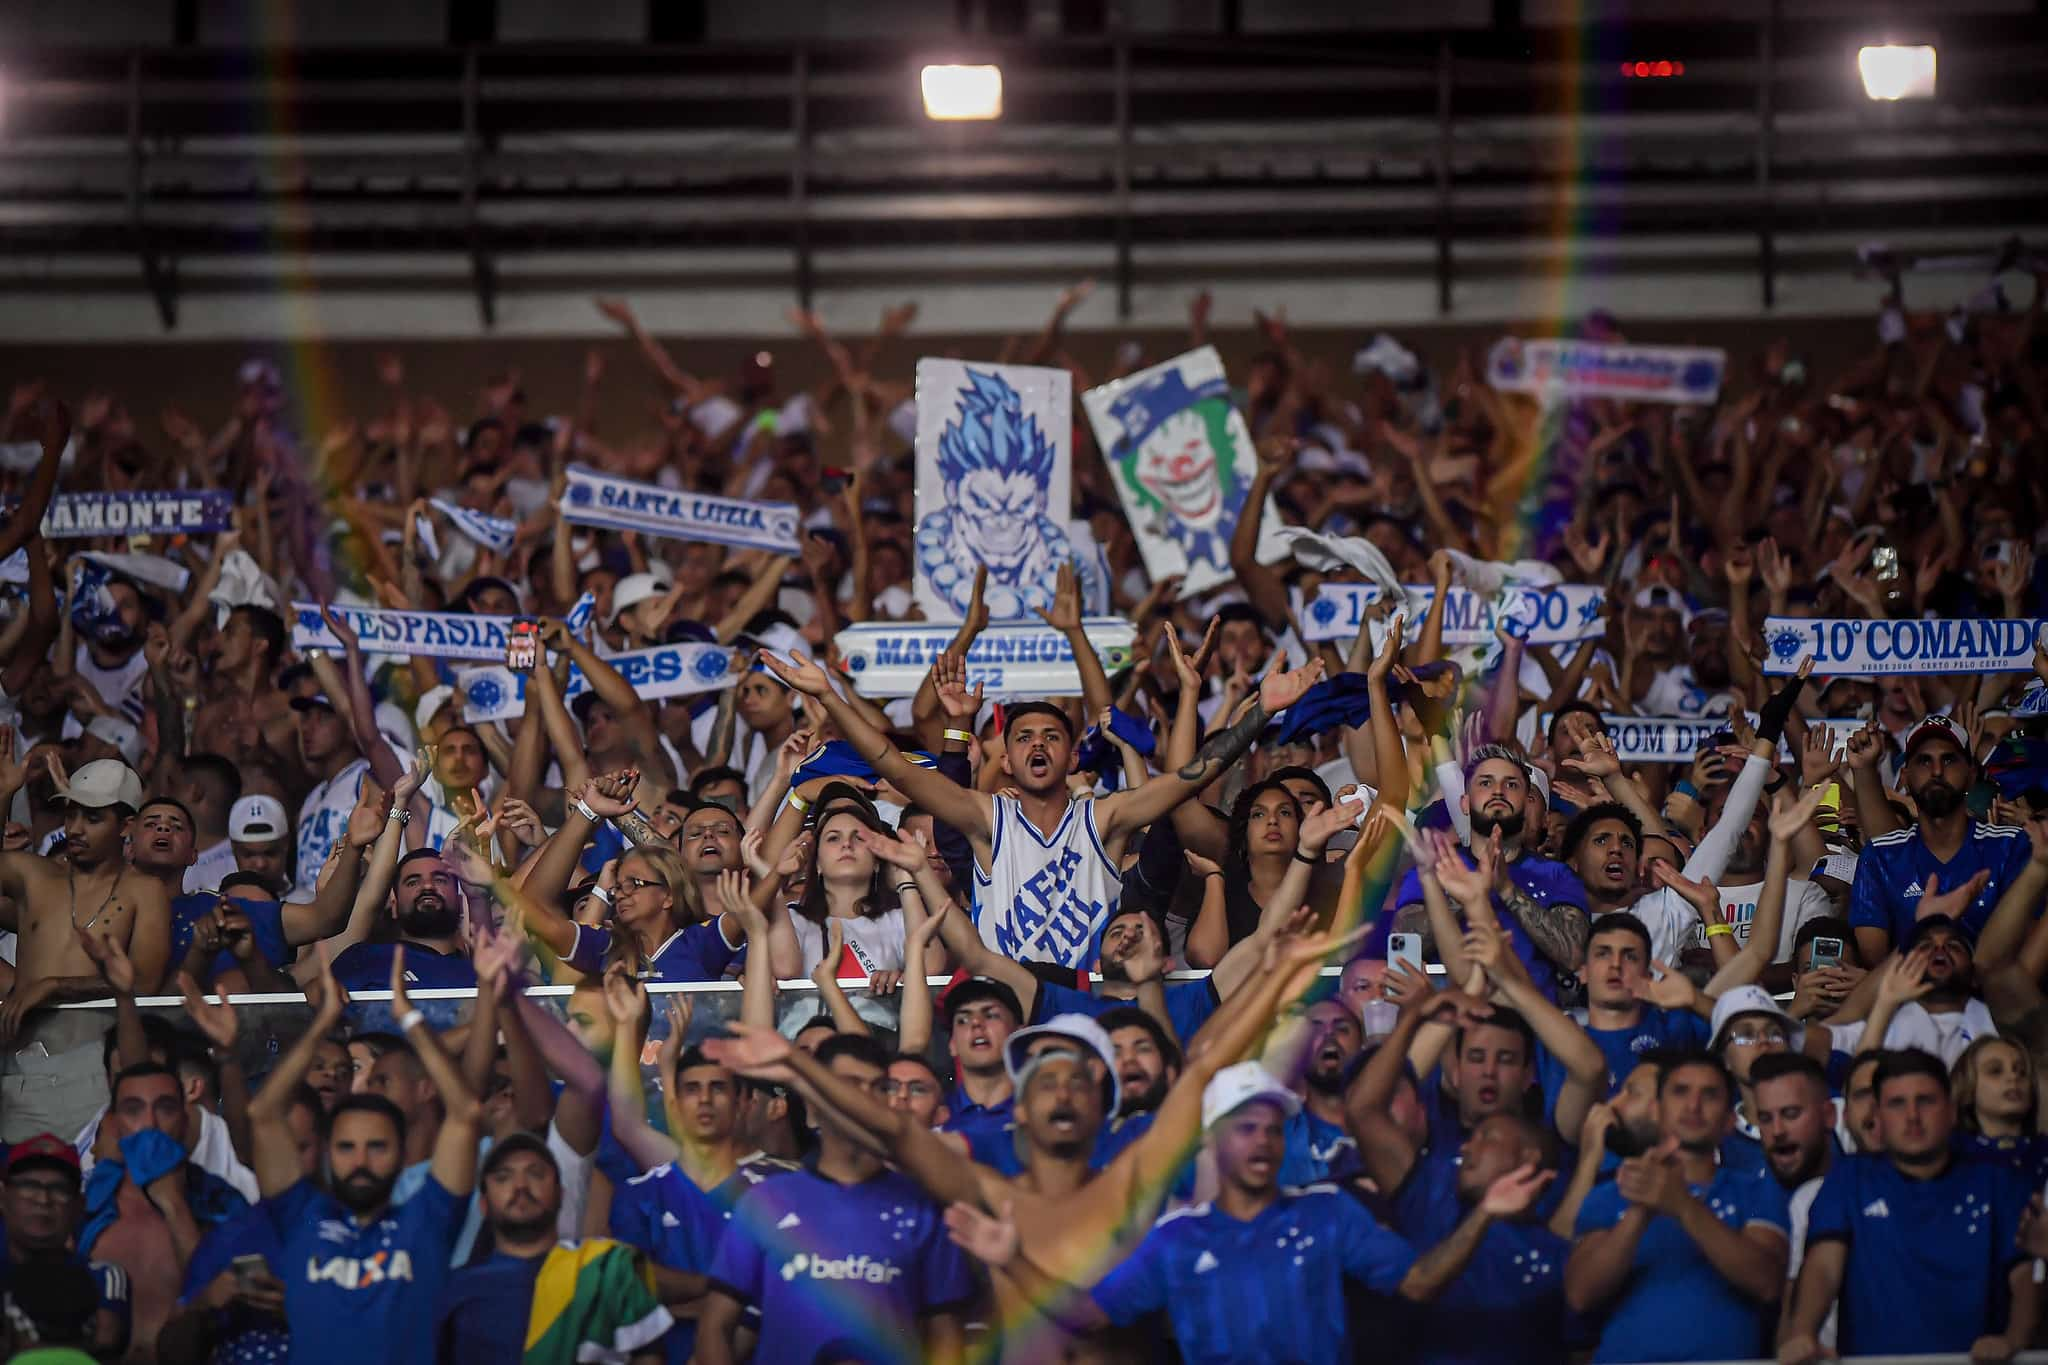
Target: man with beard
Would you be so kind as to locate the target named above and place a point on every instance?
(52, 1076)
(1147, 1065)
(485, 1316)
(1537, 900)
(1700, 685)
(1796, 1118)
(1944, 851)
(357, 1268)
(1319, 1147)
(1682, 1254)
(1925, 999)
(425, 901)
(1047, 868)
(1918, 1247)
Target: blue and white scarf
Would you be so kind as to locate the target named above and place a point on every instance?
(497, 693)
(1857, 647)
(593, 498)
(419, 634)
(493, 533)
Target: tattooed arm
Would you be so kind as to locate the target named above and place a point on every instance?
(1557, 929)
(638, 832)
(1123, 812)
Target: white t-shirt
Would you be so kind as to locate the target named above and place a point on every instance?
(1803, 901)
(1801, 1204)
(323, 820)
(209, 867)
(872, 945)
(1676, 692)
(120, 686)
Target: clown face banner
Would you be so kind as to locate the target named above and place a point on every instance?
(994, 467)
(1183, 460)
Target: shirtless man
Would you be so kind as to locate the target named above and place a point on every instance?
(1083, 1221)
(245, 705)
(51, 1074)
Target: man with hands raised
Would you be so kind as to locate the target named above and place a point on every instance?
(1048, 868)
(358, 1269)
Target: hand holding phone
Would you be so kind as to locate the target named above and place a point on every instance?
(522, 645)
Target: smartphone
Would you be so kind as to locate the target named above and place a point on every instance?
(522, 645)
(1405, 948)
(1827, 952)
(1884, 564)
(834, 479)
(248, 1267)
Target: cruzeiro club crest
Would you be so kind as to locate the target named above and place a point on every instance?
(1785, 643)
(712, 665)
(1324, 610)
(486, 693)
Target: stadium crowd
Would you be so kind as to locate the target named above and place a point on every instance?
(1408, 1015)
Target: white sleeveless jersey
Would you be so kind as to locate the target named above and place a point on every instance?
(1046, 900)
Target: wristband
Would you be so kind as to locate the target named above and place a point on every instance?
(1686, 788)
(402, 814)
(1713, 929)
(800, 804)
(601, 894)
(583, 809)
(960, 735)
(905, 886)
(411, 1019)
(1301, 857)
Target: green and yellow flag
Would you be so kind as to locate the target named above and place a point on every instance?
(594, 1301)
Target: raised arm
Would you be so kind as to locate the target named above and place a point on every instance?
(1261, 584)
(1065, 617)
(1585, 1065)
(454, 1159)
(967, 812)
(273, 1151)
(626, 999)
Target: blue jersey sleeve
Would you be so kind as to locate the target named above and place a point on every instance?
(1834, 1208)
(1870, 895)
(738, 1263)
(287, 1211)
(1601, 1209)
(1189, 1004)
(435, 1213)
(1137, 1287)
(1373, 1255)
(1767, 1203)
(2008, 1212)
(587, 953)
(947, 1277)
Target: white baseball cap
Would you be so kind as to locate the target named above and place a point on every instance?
(1234, 1087)
(258, 819)
(1078, 1027)
(105, 782)
(634, 589)
(1745, 1000)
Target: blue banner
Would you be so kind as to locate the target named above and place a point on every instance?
(167, 513)
(594, 498)
(1858, 647)
(419, 634)
(1559, 614)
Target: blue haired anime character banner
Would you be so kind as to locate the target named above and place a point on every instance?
(994, 485)
(1183, 461)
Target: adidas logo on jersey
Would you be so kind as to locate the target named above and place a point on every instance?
(1876, 1208)
(1914, 889)
(1205, 1263)
(863, 1269)
(789, 1220)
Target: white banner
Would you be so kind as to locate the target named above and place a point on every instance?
(594, 498)
(497, 693)
(493, 533)
(1857, 647)
(1183, 462)
(1591, 369)
(890, 659)
(1561, 614)
(1676, 739)
(419, 634)
(994, 471)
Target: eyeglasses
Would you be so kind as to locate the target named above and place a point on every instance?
(915, 1089)
(639, 884)
(1769, 1035)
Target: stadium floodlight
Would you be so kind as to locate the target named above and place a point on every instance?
(956, 93)
(1897, 73)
